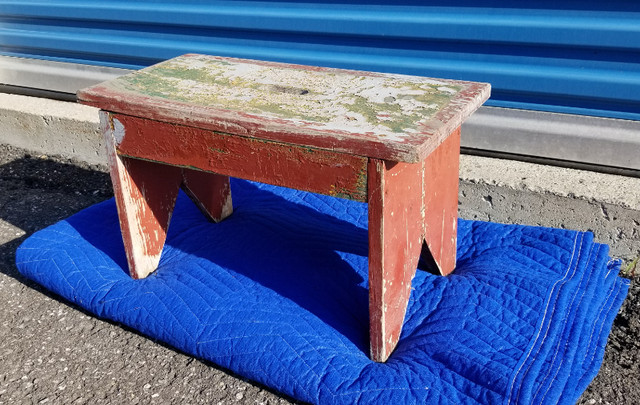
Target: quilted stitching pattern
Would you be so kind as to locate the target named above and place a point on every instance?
(278, 293)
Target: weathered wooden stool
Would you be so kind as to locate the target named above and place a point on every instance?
(390, 140)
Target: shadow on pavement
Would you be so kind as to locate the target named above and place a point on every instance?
(37, 191)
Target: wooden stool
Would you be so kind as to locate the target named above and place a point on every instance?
(392, 141)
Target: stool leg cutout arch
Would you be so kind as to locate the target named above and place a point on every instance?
(145, 194)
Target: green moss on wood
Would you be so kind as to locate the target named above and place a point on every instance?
(410, 102)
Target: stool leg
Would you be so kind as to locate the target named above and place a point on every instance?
(395, 240)
(210, 192)
(441, 206)
(145, 194)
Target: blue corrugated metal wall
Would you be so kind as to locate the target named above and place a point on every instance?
(567, 56)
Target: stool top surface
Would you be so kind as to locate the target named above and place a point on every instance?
(386, 116)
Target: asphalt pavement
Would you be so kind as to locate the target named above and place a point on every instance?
(53, 352)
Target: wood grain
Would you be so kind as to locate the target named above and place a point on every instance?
(145, 195)
(441, 206)
(395, 240)
(210, 192)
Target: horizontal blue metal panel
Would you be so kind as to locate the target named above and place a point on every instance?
(578, 57)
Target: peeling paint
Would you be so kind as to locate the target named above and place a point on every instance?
(377, 115)
(384, 112)
(118, 131)
(389, 105)
(275, 163)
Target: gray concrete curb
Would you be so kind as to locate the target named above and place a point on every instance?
(71, 130)
(51, 127)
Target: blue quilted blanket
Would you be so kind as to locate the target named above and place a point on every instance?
(278, 294)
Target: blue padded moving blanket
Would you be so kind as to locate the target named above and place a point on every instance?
(277, 293)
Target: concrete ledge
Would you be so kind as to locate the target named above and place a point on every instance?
(606, 188)
(71, 130)
(51, 127)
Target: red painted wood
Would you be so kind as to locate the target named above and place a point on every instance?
(145, 194)
(163, 136)
(441, 203)
(280, 164)
(210, 192)
(116, 96)
(395, 240)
